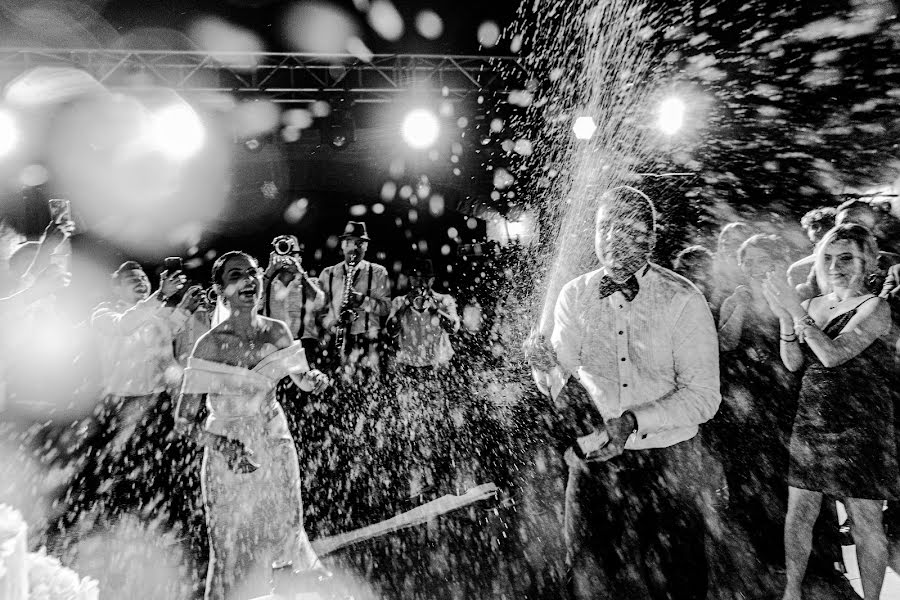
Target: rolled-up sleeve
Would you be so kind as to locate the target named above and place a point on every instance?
(695, 397)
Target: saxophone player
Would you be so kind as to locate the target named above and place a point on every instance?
(352, 321)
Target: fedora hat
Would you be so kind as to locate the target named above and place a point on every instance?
(355, 229)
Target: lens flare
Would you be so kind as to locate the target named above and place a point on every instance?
(177, 131)
(420, 129)
(671, 115)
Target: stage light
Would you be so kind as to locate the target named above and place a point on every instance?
(177, 132)
(584, 128)
(671, 115)
(420, 128)
(338, 129)
(9, 132)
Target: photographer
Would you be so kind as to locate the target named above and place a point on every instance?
(421, 322)
(292, 296)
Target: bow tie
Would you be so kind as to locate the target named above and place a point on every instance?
(629, 288)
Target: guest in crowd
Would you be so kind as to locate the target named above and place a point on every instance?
(352, 323)
(843, 443)
(727, 273)
(422, 320)
(251, 477)
(134, 449)
(642, 340)
(695, 263)
(421, 323)
(751, 432)
(815, 223)
(292, 296)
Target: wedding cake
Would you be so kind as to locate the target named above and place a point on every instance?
(34, 575)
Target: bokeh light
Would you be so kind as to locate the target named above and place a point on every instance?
(320, 27)
(670, 117)
(429, 24)
(9, 132)
(177, 131)
(386, 20)
(584, 128)
(420, 128)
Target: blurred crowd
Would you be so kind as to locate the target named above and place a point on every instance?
(769, 402)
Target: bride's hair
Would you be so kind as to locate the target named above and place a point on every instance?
(218, 268)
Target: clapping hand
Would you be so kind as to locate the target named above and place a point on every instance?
(781, 297)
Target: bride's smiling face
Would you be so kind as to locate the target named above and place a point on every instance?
(241, 284)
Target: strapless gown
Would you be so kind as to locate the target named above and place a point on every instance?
(253, 519)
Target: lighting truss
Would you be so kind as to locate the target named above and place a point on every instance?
(281, 76)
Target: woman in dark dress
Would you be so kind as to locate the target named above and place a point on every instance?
(752, 429)
(843, 442)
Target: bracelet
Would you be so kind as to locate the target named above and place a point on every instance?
(789, 338)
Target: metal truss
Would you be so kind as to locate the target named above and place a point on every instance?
(280, 76)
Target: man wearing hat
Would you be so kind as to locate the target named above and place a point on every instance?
(354, 317)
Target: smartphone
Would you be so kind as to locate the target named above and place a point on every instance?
(60, 208)
(173, 264)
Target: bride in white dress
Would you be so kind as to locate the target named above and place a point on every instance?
(251, 476)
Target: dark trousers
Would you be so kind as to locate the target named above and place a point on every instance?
(634, 527)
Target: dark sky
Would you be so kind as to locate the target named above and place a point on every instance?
(461, 19)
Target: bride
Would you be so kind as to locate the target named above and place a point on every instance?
(251, 476)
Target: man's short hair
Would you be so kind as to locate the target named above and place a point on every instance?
(628, 201)
(128, 265)
(823, 216)
(691, 257)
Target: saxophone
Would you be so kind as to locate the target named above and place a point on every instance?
(344, 325)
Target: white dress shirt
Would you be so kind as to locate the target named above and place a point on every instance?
(657, 355)
(136, 348)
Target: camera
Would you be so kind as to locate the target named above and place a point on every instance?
(286, 245)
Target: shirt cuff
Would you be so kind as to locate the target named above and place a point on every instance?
(649, 418)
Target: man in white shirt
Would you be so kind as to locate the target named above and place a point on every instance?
(135, 335)
(359, 318)
(422, 322)
(640, 341)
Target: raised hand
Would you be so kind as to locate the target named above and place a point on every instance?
(192, 299)
(171, 283)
